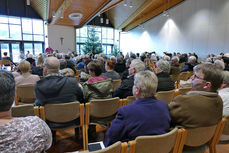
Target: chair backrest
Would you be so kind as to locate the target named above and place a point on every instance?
(166, 96)
(116, 84)
(104, 107)
(6, 62)
(183, 91)
(22, 110)
(199, 136)
(202, 135)
(164, 143)
(183, 76)
(63, 112)
(174, 77)
(117, 147)
(25, 93)
(130, 100)
(226, 127)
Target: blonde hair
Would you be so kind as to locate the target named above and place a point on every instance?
(24, 66)
(147, 81)
(68, 72)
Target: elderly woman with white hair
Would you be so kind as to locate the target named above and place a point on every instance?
(190, 64)
(165, 82)
(125, 89)
(146, 116)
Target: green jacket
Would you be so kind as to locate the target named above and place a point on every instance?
(98, 90)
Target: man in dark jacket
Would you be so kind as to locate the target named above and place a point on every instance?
(55, 88)
(125, 89)
(165, 82)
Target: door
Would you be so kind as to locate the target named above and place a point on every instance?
(15, 50)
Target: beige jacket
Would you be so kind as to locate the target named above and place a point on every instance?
(196, 109)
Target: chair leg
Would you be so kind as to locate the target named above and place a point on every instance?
(76, 133)
(54, 136)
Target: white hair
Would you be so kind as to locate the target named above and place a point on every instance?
(163, 65)
(138, 65)
(166, 57)
(192, 59)
(220, 64)
(147, 81)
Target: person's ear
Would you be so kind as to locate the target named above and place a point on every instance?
(207, 85)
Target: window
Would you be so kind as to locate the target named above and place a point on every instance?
(108, 36)
(21, 35)
(19, 28)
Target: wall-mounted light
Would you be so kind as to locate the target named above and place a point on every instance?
(125, 3)
(53, 14)
(107, 21)
(131, 5)
(27, 2)
(62, 15)
(101, 20)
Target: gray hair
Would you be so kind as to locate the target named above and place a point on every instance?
(192, 59)
(175, 59)
(166, 57)
(147, 81)
(138, 65)
(7, 90)
(52, 64)
(163, 65)
(220, 64)
(226, 77)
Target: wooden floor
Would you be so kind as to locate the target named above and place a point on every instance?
(66, 142)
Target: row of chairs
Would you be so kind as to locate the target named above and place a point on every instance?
(166, 96)
(171, 142)
(97, 112)
(25, 93)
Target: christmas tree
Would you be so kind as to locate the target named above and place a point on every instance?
(93, 44)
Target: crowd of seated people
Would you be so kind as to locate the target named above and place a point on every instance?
(60, 86)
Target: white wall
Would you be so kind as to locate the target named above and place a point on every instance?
(55, 32)
(200, 26)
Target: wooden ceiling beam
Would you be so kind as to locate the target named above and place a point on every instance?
(111, 6)
(136, 13)
(64, 5)
(150, 15)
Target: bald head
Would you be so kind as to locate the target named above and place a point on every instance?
(52, 65)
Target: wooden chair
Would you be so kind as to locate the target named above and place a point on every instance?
(203, 135)
(6, 62)
(24, 110)
(100, 111)
(116, 84)
(182, 91)
(165, 143)
(25, 94)
(117, 147)
(175, 78)
(129, 100)
(64, 113)
(182, 76)
(166, 96)
(226, 129)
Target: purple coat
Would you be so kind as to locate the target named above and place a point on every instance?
(146, 116)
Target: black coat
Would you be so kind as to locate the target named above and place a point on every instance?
(165, 82)
(125, 89)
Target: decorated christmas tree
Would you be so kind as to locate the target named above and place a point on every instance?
(93, 44)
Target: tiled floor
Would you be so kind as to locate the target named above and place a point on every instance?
(66, 142)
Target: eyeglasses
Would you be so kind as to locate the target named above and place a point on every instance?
(195, 76)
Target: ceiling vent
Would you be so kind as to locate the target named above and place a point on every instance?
(76, 17)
